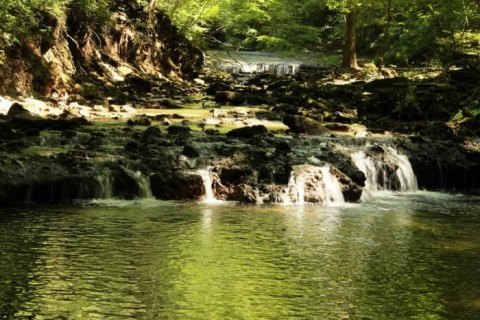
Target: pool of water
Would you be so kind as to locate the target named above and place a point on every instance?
(403, 256)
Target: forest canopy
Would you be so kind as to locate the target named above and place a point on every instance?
(399, 31)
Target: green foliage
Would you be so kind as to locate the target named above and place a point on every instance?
(89, 12)
(21, 20)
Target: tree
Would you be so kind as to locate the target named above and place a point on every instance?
(350, 48)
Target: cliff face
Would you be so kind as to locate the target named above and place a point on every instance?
(133, 43)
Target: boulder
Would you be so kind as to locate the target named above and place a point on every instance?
(17, 111)
(190, 152)
(177, 186)
(248, 132)
(230, 97)
(178, 130)
(301, 124)
(218, 86)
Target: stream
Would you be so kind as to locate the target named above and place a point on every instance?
(394, 256)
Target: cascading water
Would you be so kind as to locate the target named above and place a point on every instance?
(392, 171)
(205, 174)
(405, 174)
(295, 191)
(144, 189)
(333, 190)
(105, 185)
(372, 169)
(312, 184)
(253, 62)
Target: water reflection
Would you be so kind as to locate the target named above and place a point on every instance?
(399, 257)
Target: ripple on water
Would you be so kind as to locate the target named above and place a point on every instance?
(395, 257)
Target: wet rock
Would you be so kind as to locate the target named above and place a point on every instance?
(18, 112)
(143, 121)
(244, 193)
(218, 86)
(230, 97)
(338, 127)
(151, 133)
(179, 130)
(300, 124)
(285, 108)
(190, 152)
(177, 186)
(282, 147)
(248, 132)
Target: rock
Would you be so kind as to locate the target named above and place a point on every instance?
(71, 114)
(244, 193)
(190, 152)
(282, 147)
(170, 104)
(151, 133)
(285, 109)
(127, 109)
(177, 186)
(218, 86)
(248, 132)
(199, 81)
(348, 116)
(98, 108)
(19, 114)
(142, 121)
(178, 130)
(338, 127)
(231, 97)
(219, 113)
(300, 124)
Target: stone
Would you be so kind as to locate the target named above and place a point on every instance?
(190, 152)
(218, 86)
(301, 124)
(178, 130)
(248, 132)
(230, 97)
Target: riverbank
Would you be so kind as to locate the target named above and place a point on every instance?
(274, 139)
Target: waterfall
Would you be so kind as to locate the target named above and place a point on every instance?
(405, 174)
(144, 189)
(312, 184)
(278, 69)
(392, 171)
(372, 169)
(295, 191)
(105, 185)
(209, 196)
(333, 190)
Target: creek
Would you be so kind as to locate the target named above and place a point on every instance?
(253, 62)
(395, 256)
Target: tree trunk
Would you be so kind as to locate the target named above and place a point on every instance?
(151, 29)
(349, 49)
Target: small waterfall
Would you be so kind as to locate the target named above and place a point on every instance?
(144, 189)
(295, 191)
(105, 185)
(207, 183)
(392, 171)
(312, 184)
(333, 190)
(372, 169)
(405, 174)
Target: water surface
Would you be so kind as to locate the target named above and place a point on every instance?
(399, 256)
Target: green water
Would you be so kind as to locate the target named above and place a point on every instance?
(398, 257)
